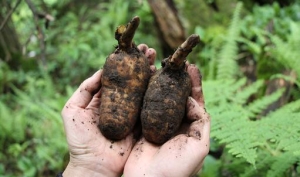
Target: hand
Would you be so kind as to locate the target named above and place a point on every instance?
(183, 155)
(91, 154)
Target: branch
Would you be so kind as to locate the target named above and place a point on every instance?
(9, 14)
(41, 35)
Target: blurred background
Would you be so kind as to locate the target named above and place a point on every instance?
(249, 57)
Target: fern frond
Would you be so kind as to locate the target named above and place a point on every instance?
(263, 164)
(280, 130)
(227, 66)
(7, 126)
(215, 90)
(288, 138)
(288, 108)
(288, 78)
(14, 126)
(240, 144)
(282, 163)
(212, 66)
(286, 52)
(234, 86)
(231, 120)
(259, 105)
(241, 97)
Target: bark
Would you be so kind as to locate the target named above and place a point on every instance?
(9, 44)
(169, 26)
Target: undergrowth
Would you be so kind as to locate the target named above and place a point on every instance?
(242, 126)
(251, 139)
(32, 140)
(32, 137)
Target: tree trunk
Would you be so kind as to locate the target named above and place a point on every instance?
(170, 29)
(10, 47)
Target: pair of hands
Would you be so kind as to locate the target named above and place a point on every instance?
(91, 154)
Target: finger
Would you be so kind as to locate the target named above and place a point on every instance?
(196, 129)
(143, 48)
(196, 79)
(95, 102)
(194, 111)
(84, 94)
(199, 131)
(152, 69)
(151, 55)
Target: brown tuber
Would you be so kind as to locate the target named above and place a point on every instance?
(166, 96)
(125, 77)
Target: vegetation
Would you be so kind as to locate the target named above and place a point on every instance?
(245, 126)
(248, 58)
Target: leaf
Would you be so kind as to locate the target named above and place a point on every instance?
(283, 162)
(227, 66)
(259, 105)
(84, 47)
(241, 96)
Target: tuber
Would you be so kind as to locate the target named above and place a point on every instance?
(166, 96)
(125, 77)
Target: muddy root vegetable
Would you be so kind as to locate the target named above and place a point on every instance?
(166, 96)
(125, 77)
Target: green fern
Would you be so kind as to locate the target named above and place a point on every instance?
(231, 125)
(33, 128)
(218, 95)
(259, 105)
(242, 97)
(227, 66)
(282, 163)
(287, 51)
(267, 142)
(263, 164)
(279, 141)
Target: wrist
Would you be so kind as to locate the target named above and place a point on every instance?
(78, 171)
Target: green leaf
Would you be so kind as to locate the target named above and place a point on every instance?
(260, 105)
(227, 67)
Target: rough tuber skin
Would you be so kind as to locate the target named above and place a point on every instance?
(166, 96)
(125, 77)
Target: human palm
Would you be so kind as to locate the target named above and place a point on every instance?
(87, 146)
(182, 155)
(90, 152)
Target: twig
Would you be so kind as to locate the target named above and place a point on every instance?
(41, 35)
(6, 51)
(9, 14)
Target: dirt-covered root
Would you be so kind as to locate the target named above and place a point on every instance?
(125, 77)
(166, 96)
